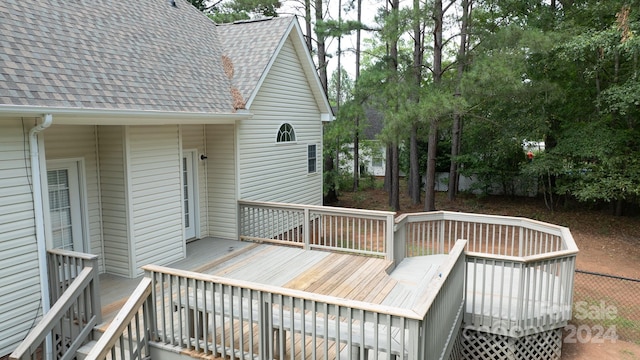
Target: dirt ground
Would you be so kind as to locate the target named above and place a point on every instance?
(607, 244)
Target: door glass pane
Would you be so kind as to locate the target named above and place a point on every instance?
(60, 209)
(185, 182)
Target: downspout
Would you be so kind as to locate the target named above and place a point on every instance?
(39, 220)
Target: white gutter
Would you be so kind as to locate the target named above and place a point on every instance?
(123, 116)
(39, 220)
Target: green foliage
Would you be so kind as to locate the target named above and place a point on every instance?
(335, 29)
(598, 168)
(567, 75)
(336, 140)
(346, 87)
(491, 157)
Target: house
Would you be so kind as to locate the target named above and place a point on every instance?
(129, 128)
(372, 151)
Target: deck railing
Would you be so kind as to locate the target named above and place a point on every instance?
(128, 335)
(519, 271)
(364, 232)
(64, 266)
(70, 321)
(224, 317)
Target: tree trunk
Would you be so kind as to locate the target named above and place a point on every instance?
(307, 23)
(322, 55)
(430, 192)
(356, 134)
(331, 194)
(619, 207)
(339, 79)
(328, 163)
(395, 182)
(387, 172)
(395, 173)
(456, 131)
(414, 167)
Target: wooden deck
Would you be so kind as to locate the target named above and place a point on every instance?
(340, 297)
(341, 275)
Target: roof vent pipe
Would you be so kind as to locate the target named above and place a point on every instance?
(39, 221)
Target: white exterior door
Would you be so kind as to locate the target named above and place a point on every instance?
(188, 193)
(65, 206)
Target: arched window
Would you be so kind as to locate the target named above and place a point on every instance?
(286, 133)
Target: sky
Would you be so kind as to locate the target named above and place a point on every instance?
(348, 57)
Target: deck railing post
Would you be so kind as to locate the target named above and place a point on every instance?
(150, 331)
(266, 345)
(96, 305)
(415, 347)
(520, 318)
(441, 237)
(399, 242)
(521, 241)
(307, 228)
(54, 277)
(389, 240)
(239, 221)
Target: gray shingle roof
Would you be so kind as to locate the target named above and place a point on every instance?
(250, 47)
(103, 54)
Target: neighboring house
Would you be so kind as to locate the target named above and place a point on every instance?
(128, 128)
(373, 152)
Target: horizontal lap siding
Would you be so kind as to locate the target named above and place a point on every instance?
(64, 142)
(113, 188)
(221, 176)
(193, 137)
(278, 172)
(156, 202)
(20, 286)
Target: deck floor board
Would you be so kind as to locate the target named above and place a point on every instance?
(342, 275)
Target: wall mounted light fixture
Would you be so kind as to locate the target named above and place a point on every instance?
(203, 157)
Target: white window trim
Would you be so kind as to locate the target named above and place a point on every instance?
(295, 134)
(195, 192)
(84, 206)
(316, 160)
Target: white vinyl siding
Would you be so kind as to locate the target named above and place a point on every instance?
(20, 286)
(115, 222)
(221, 167)
(79, 142)
(278, 172)
(193, 137)
(155, 192)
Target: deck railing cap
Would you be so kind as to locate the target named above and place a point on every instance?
(318, 208)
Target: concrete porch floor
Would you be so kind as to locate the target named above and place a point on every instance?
(115, 290)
